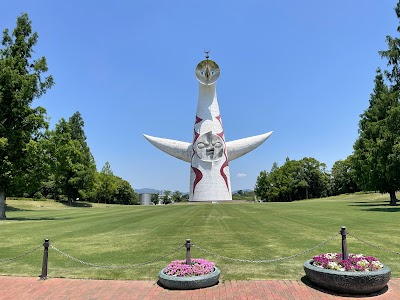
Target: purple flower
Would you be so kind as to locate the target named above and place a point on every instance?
(197, 267)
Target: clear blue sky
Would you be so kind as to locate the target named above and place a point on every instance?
(303, 69)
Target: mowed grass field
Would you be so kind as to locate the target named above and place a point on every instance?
(126, 235)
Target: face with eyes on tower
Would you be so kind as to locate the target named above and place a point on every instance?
(209, 147)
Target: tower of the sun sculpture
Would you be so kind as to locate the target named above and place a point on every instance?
(208, 154)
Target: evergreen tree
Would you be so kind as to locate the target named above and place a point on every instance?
(20, 83)
(393, 55)
(376, 156)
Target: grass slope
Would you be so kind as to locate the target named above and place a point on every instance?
(125, 235)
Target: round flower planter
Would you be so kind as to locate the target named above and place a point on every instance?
(347, 282)
(189, 282)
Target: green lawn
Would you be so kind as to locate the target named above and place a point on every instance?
(125, 235)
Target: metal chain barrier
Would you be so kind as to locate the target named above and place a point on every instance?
(21, 255)
(187, 245)
(374, 246)
(267, 260)
(117, 267)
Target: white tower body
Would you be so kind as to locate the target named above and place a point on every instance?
(209, 174)
(208, 154)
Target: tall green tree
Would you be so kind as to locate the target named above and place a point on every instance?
(262, 185)
(344, 178)
(37, 170)
(73, 164)
(21, 81)
(267, 186)
(124, 193)
(376, 156)
(393, 55)
(389, 153)
(316, 176)
(107, 185)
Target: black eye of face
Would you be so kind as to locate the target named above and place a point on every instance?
(201, 145)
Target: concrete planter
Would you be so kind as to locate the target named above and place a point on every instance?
(347, 282)
(188, 283)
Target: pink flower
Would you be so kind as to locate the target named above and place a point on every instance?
(354, 262)
(198, 267)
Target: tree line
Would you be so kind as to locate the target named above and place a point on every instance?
(58, 165)
(168, 197)
(36, 161)
(374, 164)
(304, 179)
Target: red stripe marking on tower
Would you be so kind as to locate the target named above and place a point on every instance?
(219, 119)
(221, 171)
(199, 176)
(198, 120)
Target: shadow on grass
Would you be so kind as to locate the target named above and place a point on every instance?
(308, 283)
(35, 219)
(384, 209)
(77, 204)
(369, 204)
(379, 207)
(11, 208)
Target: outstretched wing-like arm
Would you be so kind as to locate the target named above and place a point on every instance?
(178, 149)
(240, 147)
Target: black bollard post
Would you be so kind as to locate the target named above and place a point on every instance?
(188, 258)
(343, 232)
(46, 245)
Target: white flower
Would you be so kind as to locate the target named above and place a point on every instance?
(358, 255)
(377, 264)
(330, 255)
(363, 263)
(334, 266)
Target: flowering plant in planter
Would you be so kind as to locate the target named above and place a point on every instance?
(354, 262)
(198, 267)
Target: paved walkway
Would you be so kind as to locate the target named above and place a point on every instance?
(27, 288)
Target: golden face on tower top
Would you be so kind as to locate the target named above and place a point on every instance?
(207, 72)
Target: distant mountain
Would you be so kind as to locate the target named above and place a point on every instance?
(153, 191)
(147, 191)
(245, 190)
